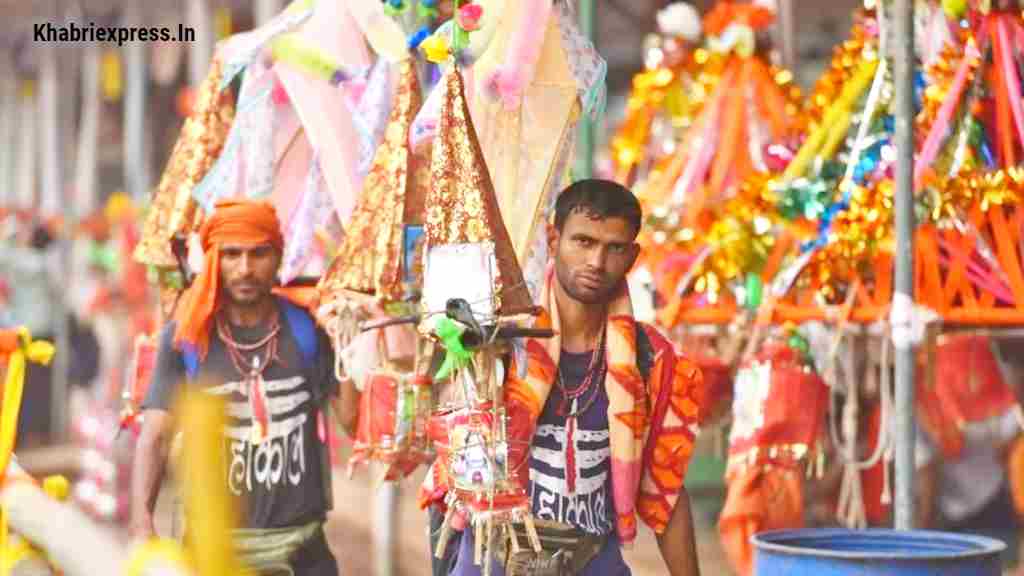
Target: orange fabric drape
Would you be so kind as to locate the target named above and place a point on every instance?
(758, 499)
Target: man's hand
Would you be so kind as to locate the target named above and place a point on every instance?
(148, 470)
(346, 407)
(677, 543)
(143, 528)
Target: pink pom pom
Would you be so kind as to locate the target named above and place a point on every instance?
(507, 84)
(279, 95)
(509, 81)
(777, 157)
(469, 17)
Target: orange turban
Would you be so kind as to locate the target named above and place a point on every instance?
(240, 222)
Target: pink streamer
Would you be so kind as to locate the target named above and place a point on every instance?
(941, 126)
(1010, 73)
(697, 166)
(510, 80)
(978, 275)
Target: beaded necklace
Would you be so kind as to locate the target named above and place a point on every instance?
(571, 409)
(254, 386)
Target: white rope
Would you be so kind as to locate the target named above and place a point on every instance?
(851, 511)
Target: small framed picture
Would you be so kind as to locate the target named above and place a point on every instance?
(412, 254)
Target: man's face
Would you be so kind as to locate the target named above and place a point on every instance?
(248, 272)
(592, 256)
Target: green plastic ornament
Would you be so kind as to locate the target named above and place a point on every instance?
(456, 355)
(754, 292)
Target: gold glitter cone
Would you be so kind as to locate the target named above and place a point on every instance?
(199, 144)
(369, 260)
(462, 207)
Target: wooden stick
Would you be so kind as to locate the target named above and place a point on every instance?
(446, 532)
(531, 533)
(478, 552)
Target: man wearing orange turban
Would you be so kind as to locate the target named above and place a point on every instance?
(237, 336)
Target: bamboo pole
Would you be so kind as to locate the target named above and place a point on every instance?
(587, 142)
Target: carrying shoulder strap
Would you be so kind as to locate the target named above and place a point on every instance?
(191, 359)
(304, 330)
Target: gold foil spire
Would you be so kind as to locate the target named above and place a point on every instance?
(462, 207)
(199, 144)
(369, 260)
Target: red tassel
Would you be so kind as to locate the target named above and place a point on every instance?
(570, 455)
(260, 416)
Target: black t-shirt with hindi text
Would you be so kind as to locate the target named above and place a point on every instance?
(590, 507)
(278, 482)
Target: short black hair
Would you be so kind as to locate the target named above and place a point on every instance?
(600, 199)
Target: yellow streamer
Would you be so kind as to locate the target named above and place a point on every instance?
(852, 91)
(167, 552)
(211, 512)
(27, 351)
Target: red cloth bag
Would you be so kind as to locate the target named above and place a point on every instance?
(392, 424)
(779, 404)
(968, 390)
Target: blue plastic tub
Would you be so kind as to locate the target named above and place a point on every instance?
(841, 552)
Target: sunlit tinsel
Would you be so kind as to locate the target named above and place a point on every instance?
(845, 59)
(855, 239)
(740, 235)
(679, 91)
(950, 198)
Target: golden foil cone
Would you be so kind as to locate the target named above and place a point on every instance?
(462, 207)
(369, 260)
(199, 144)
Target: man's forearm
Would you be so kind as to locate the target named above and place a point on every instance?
(677, 543)
(147, 477)
(346, 407)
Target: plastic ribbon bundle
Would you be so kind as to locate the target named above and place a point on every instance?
(710, 227)
(968, 173)
(665, 97)
(833, 200)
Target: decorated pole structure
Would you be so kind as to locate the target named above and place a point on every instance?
(902, 46)
(585, 156)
